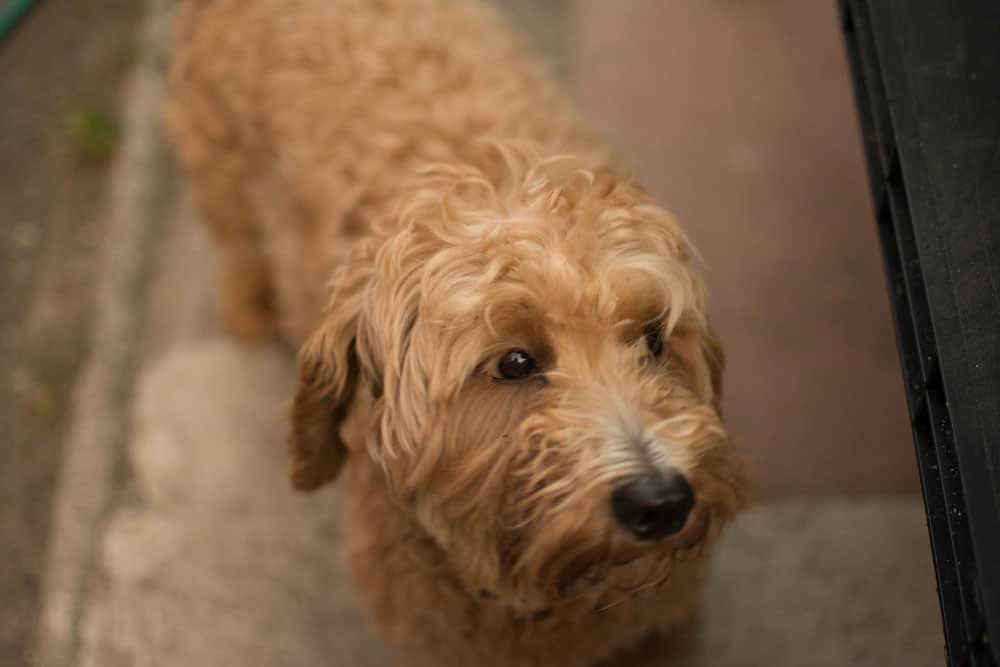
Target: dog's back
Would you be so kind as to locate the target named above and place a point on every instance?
(298, 120)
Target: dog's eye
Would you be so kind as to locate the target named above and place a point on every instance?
(654, 340)
(517, 365)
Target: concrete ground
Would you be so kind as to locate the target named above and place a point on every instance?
(69, 55)
(176, 540)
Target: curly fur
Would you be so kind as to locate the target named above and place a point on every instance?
(398, 187)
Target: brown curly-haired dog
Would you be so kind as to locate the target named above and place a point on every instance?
(512, 362)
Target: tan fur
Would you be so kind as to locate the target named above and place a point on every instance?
(396, 186)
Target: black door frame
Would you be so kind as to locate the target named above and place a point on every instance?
(927, 86)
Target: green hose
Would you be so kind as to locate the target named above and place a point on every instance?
(12, 13)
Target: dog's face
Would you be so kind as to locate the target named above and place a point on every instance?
(545, 381)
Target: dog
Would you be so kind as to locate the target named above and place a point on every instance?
(504, 344)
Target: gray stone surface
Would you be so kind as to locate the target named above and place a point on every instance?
(216, 561)
(825, 583)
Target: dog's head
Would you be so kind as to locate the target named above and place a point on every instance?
(545, 380)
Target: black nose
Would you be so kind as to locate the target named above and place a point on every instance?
(655, 506)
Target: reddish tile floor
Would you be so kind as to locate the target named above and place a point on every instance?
(739, 116)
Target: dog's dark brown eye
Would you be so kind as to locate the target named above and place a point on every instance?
(654, 340)
(517, 365)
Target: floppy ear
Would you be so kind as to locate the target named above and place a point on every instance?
(329, 371)
(326, 389)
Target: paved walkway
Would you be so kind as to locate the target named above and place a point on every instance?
(48, 241)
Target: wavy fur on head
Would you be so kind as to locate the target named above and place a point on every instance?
(398, 187)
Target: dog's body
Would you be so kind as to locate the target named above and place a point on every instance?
(487, 361)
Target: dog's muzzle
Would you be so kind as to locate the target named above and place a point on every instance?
(654, 506)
